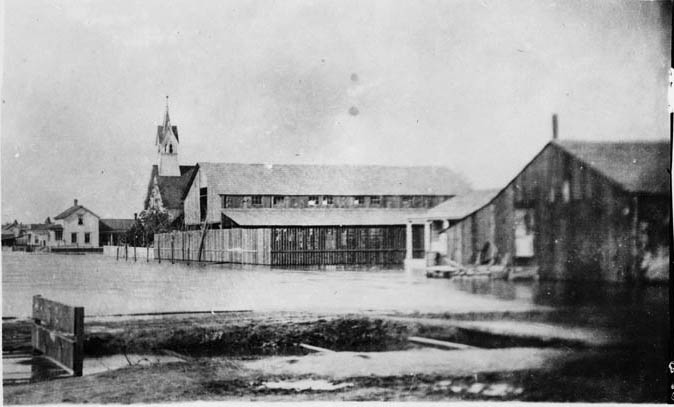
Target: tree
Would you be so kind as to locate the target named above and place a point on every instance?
(149, 222)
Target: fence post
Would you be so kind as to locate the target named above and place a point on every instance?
(172, 256)
(126, 251)
(117, 253)
(157, 241)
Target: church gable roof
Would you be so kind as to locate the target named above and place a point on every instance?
(171, 189)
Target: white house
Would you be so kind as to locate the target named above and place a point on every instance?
(80, 226)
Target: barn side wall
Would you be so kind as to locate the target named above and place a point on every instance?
(583, 224)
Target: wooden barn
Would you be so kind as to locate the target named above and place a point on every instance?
(578, 210)
(319, 214)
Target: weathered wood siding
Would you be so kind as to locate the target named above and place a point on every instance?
(241, 246)
(323, 245)
(583, 222)
(191, 203)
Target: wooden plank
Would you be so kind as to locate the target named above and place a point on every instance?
(65, 351)
(316, 348)
(435, 342)
(57, 316)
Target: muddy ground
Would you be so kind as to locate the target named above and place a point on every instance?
(230, 356)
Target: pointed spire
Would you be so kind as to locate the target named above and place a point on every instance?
(167, 121)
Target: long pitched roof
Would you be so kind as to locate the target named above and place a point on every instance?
(72, 210)
(287, 179)
(106, 225)
(172, 189)
(320, 217)
(461, 206)
(641, 167)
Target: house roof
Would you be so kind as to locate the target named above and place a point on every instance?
(461, 206)
(72, 210)
(641, 167)
(44, 226)
(320, 217)
(286, 179)
(107, 225)
(172, 189)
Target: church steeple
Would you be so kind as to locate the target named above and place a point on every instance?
(167, 147)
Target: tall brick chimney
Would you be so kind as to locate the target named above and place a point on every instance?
(555, 127)
(75, 202)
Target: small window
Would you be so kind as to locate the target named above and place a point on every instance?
(406, 201)
(566, 191)
(170, 148)
(313, 201)
(73, 238)
(223, 201)
(87, 237)
(256, 200)
(58, 235)
(375, 200)
(328, 200)
(359, 200)
(80, 220)
(278, 200)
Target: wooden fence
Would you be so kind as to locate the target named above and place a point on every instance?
(289, 246)
(240, 246)
(338, 245)
(58, 332)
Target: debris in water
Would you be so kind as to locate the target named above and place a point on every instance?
(476, 388)
(300, 385)
(497, 390)
(354, 77)
(353, 111)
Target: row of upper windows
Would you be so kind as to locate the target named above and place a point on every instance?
(372, 201)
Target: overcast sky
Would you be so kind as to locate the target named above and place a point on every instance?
(469, 84)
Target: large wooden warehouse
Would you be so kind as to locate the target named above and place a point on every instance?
(578, 210)
(318, 214)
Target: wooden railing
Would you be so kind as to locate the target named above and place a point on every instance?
(58, 333)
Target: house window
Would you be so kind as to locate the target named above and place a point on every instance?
(80, 220)
(375, 200)
(36, 240)
(87, 237)
(566, 191)
(358, 200)
(58, 235)
(256, 200)
(278, 200)
(328, 200)
(313, 201)
(223, 201)
(406, 201)
(73, 238)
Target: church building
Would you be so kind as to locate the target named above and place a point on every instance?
(168, 179)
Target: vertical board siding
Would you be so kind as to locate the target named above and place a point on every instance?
(242, 246)
(587, 234)
(324, 245)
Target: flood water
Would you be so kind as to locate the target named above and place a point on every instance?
(105, 286)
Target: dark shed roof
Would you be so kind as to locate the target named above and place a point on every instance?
(109, 225)
(640, 167)
(461, 206)
(321, 217)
